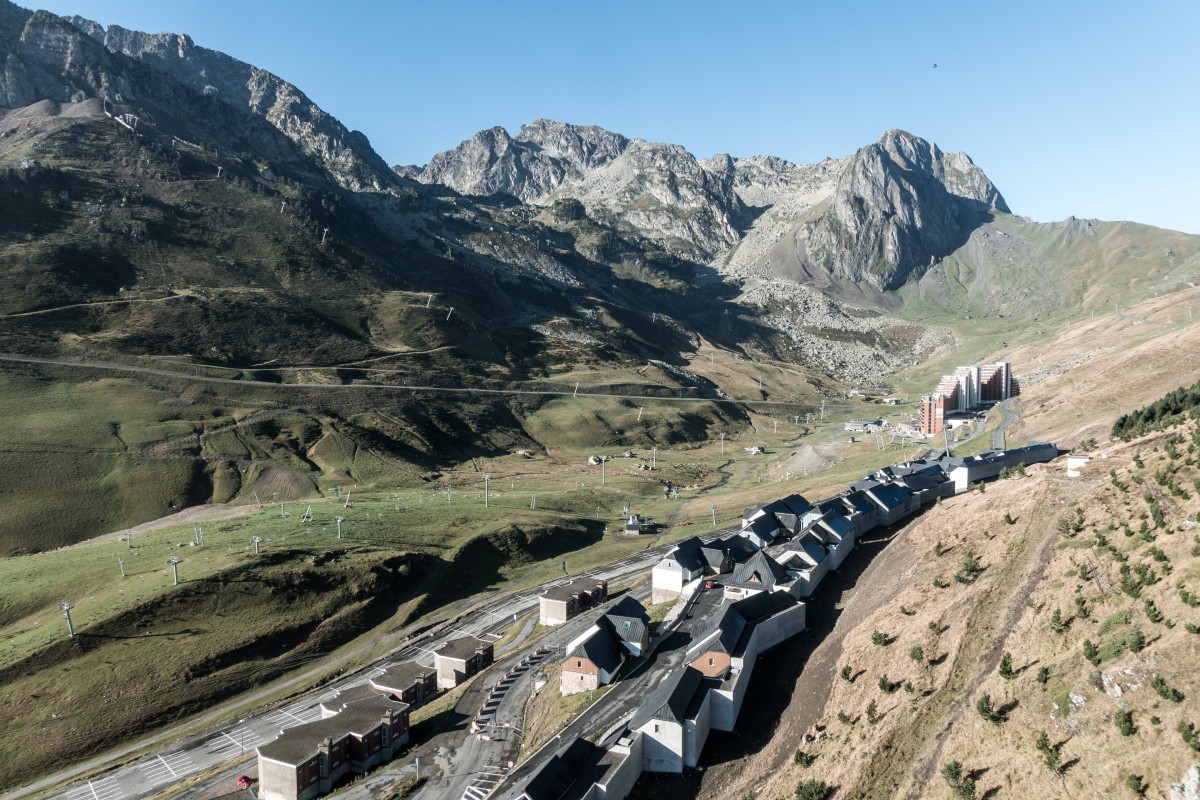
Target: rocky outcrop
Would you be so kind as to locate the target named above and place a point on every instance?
(345, 154)
(662, 193)
(208, 94)
(900, 205)
(543, 156)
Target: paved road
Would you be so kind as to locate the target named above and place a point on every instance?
(1009, 419)
(169, 766)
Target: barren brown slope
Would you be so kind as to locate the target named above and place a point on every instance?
(1031, 570)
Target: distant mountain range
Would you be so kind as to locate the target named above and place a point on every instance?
(166, 205)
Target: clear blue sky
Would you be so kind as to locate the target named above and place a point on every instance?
(1089, 109)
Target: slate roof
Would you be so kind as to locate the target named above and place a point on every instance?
(760, 571)
(917, 482)
(765, 528)
(399, 677)
(739, 547)
(570, 769)
(837, 524)
(569, 590)
(891, 495)
(628, 618)
(461, 648)
(860, 502)
(600, 648)
(687, 554)
(359, 715)
(808, 548)
(758, 607)
(671, 699)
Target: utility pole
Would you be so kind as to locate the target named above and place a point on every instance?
(256, 540)
(533, 501)
(449, 313)
(218, 171)
(338, 520)
(428, 300)
(121, 565)
(66, 609)
(129, 538)
(576, 393)
(602, 460)
(324, 233)
(714, 513)
(174, 562)
(486, 480)
(722, 444)
(653, 457)
(776, 425)
(641, 408)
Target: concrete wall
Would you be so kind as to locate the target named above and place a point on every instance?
(279, 781)
(666, 583)
(696, 733)
(619, 781)
(552, 612)
(662, 748)
(813, 578)
(778, 628)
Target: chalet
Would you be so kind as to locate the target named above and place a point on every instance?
(864, 512)
(836, 532)
(806, 561)
(759, 573)
(592, 659)
(683, 564)
(965, 471)
(674, 719)
(459, 659)
(633, 525)
(562, 603)
(762, 530)
(895, 502)
(746, 629)
(630, 623)
(306, 761)
(409, 682)
(732, 550)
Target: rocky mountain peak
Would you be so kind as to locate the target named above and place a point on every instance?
(542, 157)
(47, 57)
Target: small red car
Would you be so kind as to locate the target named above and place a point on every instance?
(245, 781)
(708, 585)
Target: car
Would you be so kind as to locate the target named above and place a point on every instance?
(708, 585)
(245, 781)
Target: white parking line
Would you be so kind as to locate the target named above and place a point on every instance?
(102, 789)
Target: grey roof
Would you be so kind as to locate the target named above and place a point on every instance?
(569, 590)
(865, 484)
(860, 502)
(461, 648)
(565, 774)
(670, 701)
(399, 677)
(687, 554)
(765, 527)
(810, 546)
(758, 607)
(760, 571)
(714, 557)
(737, 546)
(891, 495)
(600, 648)
(837, 523)
(628, 619)
(359, 716)
(917, 482)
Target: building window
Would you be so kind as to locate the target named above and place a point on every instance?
(712, 662)
(385, 735)
(578, 664)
